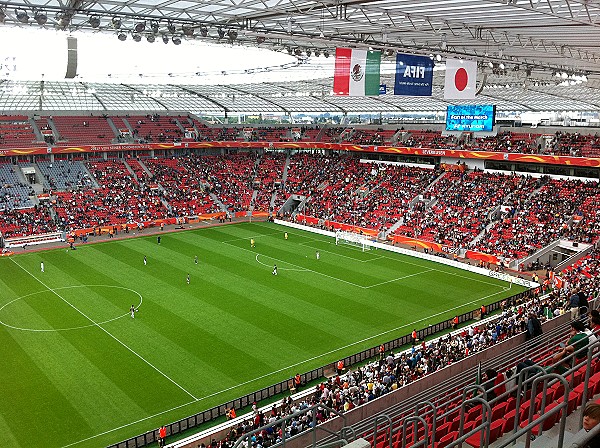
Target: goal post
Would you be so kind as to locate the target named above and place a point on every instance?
(352, 239)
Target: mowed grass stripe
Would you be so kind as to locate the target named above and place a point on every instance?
(183, 317)
(97, 345)
(326, 298)
(222, 288)
(236, 327)
(32, 404)
(73, 374)
(219, 298)
(410, 296)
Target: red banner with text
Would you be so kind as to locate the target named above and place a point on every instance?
(593, 162)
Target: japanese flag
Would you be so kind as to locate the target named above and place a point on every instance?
(461, 77)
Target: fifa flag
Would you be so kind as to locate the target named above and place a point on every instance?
(414, 75)
(356, 72)
(461, 77)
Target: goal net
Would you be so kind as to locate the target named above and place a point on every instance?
(352, 239)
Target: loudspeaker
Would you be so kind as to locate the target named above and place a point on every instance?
(71, 58)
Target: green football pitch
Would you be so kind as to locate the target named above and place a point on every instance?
(78, 371)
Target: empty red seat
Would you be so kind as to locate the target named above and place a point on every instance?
(442, 430)
(447, 439)
(496, 428)
(509, 422)
(498, 411)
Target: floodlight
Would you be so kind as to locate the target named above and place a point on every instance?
(221, 33)
(139, 27)
(40, 18)
(232, 35)
(122, 37)
(260, 39)
(176, 40)
(317, 52)
(308, 52)
(2, 16)
(94, 21)
(165, 39)
(137, 37)
(171, 28)
(22, 16)
(326, 53)
(154, 27)
(188, 30)
(150, 38)
(297, 52)
(63, 20)
(116, 23)
(203, 31)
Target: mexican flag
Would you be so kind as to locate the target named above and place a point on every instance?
(356, 72)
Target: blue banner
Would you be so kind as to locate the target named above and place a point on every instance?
(382, 89)
(414, 75)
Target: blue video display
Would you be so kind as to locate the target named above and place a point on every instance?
(471, 118)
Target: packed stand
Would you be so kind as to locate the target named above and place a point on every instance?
(230, 178)
(343, 196)
(459, 207)
(119, 200)
(306, 173)
(582, 275)
(182, 179)
(543, 217)
(24, 222)
(268, 179)
(140, 173)
(392, 191)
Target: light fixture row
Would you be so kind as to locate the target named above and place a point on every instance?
(308, 52)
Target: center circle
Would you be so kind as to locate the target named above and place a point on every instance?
(54, 291)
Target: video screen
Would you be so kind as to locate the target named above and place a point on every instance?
(471, 118)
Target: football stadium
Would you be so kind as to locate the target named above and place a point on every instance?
(310, 224)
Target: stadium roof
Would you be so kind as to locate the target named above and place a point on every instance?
(532, 54)
(300, 97)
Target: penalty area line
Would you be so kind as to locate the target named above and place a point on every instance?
(455, 274)
(399, 278)
(262, 235)
(300, 267)
(378, 257)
